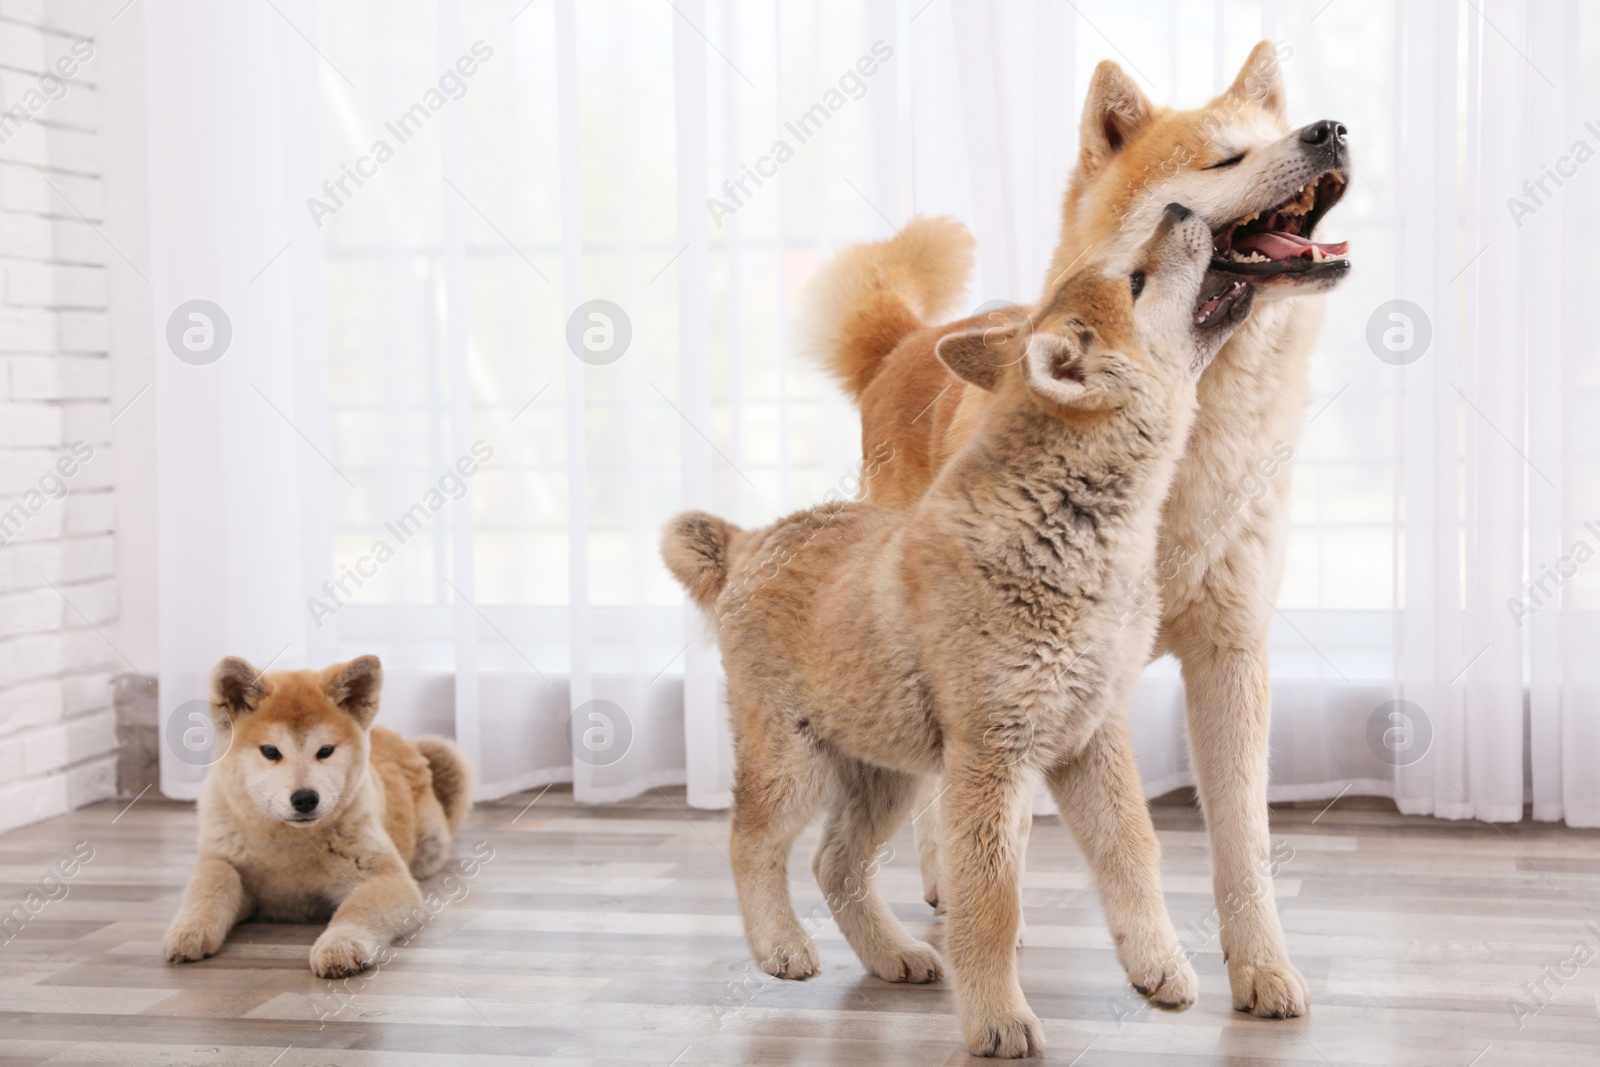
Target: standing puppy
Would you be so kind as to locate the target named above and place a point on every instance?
(981, 632)
(314, 810)
(1264, 189)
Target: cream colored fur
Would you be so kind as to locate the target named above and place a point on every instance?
(980, 633)
(386, 811)
(1220, 555)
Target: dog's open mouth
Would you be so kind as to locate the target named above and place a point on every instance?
(1277, 240)
(1224, 297)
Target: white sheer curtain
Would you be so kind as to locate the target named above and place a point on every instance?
(416, 363)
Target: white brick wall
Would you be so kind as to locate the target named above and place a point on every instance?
(58, 591)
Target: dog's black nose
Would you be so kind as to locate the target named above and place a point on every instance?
(1320, 133)
(1178, 211)
(304, 800)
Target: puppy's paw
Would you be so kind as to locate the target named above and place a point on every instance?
(187, 943)
(340, 953)
(1009, 1035)
(915, 962)
(1169, 983)
(796, 959)
(1270, 989)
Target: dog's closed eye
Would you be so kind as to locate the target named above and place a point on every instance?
(271, 752)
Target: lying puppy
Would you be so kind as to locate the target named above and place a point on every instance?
(977, 632)
(314, 810)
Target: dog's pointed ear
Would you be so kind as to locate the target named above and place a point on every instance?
(236, 688)
(1114, 113)
(1066, 368)
(1260, 81)
(355, 687)
(979, 355)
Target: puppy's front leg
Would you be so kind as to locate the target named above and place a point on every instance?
(1102, 803)
(981, 823)
(213, 903)
(384, 906)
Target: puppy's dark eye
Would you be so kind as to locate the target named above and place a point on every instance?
(271, 752)
(1229, 162)
(325, 751)
(1136, 283)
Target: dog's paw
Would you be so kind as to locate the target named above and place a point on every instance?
(1270, 989)
(1168, 982)
(796, 959)
(915, 962)
(339, 954)
(186, 944)
(1010, 1035)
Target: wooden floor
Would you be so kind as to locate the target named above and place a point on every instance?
(611, 936)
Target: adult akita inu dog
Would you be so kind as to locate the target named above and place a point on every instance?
(980, 632)
(1262, 188)
(313, 810)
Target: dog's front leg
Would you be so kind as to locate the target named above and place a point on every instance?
(1230, 711)
(213, 903)
(387, 904)
(1102, 803)
(981, 824)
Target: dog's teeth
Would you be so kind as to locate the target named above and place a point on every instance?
(1316, 254)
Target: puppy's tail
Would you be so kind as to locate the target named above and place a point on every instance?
(452, 777)
(697, 548)
(869, 296)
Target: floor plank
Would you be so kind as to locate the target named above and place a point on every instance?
(611, 936)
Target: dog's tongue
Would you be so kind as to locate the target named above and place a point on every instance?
(1277, 245)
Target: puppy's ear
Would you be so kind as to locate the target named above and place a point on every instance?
(1067, 368)
(236, 688)
(1114, 113)
(355, 687)
(1260, 82)
(980, 354)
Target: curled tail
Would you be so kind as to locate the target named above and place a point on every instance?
(869, 296)
(697, 548)
(452, 777)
